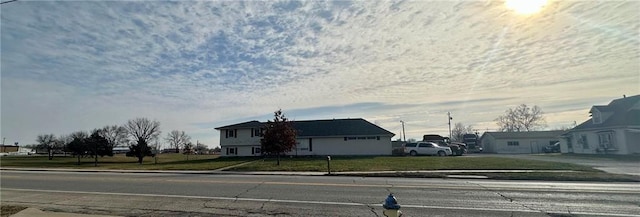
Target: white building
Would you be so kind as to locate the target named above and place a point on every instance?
(612, 129)
(530, 142)
(315, 137)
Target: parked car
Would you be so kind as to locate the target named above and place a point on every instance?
(553, 148)
(426, 148)
(457, 148)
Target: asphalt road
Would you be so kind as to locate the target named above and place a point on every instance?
(129, 194)
(607, 165)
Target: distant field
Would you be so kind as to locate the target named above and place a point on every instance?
(164, 162)
(388, 163)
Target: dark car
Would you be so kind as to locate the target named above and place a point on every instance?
(553, 148)
(457, 148)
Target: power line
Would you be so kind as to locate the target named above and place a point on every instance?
(8, 1)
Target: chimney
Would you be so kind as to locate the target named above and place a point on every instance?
(624, 96)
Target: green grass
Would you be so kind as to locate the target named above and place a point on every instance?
(342, 164)
(338, 164)
(164, 162)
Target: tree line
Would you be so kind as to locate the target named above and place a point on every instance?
(140, 135)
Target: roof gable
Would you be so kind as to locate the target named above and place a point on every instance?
(243, 125)
(620, 112)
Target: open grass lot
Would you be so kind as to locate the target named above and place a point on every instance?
(343, 164)
(164, 162)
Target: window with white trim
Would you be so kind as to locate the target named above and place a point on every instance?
(596, 117)
(606, 140)
(513, 143)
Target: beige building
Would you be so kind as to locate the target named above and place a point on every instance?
(315, 137)
(519, 142)
(9, 148)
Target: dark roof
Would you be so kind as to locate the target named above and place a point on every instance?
(243, 125)
(324, 128)
(525, 135)
(625, 112)
(338, 127)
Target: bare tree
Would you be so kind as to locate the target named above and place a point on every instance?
(48, 142)
(188, 149)
(177, 139)
(64, 141)
(143, 131)
(116, 135)
(79, 135)
(201, 148)
(142, 128)
(459, 130)
(521, 118)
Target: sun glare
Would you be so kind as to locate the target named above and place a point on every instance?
(525, 6)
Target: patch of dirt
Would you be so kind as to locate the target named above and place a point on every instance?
(7, 210)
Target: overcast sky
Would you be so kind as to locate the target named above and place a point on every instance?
(194, 66)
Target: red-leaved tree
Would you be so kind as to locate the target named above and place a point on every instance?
(279, 136)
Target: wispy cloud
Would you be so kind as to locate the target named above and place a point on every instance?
(221, 61)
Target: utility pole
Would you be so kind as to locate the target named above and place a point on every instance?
(450, 118)
(3, 138)
(404, 135)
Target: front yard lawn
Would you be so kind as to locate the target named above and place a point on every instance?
(120, 162)
(399, 163)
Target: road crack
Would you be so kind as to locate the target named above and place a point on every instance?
(511, 200)
(247, 191)
(371, 208)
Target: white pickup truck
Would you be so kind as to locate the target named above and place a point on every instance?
(426, 148)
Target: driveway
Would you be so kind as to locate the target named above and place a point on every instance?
(607, 165)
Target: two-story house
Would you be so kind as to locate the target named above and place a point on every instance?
(315, 137)
(612, 129)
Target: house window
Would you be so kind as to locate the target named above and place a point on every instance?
(257, 132)
(371, 137)
(230, 133)
(606, 140)
(232, 150)
(310, 144)
(513, 143)
(350, 138)
(596, 117)
(362, 138)
(583, 140)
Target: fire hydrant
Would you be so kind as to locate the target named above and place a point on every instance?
(391, 207)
